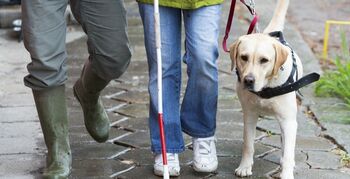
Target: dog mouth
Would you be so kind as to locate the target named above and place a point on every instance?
(249, 87)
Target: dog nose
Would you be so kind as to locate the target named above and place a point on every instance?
(249, 81)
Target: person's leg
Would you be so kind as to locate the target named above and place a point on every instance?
(198, 110)
(170, 22)
(104, 22)
(199, 106)
(44, 30)
(52, 111)
(44, 33)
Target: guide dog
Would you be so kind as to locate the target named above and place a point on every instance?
(264, 64)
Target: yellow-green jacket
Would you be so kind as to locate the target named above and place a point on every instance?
(184, 4)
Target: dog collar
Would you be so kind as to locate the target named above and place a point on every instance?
(291, 84)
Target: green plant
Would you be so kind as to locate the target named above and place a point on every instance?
(344, 156)
(345, 159)
(337, 82)
(269, 133)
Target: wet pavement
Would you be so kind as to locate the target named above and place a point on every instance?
(127, 152)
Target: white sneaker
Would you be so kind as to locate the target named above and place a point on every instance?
(173, 164)
(204, 154)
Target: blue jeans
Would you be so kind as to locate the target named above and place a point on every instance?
(197, 116)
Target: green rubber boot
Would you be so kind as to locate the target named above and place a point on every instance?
(52, 110)
(87, 90)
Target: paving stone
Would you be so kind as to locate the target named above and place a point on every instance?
(96, 168)
(188, 172)
(234, 116)
(330, 110)
(226, 167)
(320, 174)
(306, 126)
(133, 87)
(233, 148)
(133, 97)
(17, 100)
(134, 80)
(304, 143)
(236, 131)
(135, 123)
(75, 70)
(20, 129)
(110, 104)
(340, 133)
(134, 110)
(81, 151)
(229, 102)
(19, 145)
(117, 133)
(141, 171)
(261, 167)
(300, 158)
(138, 156)
(114, 117)
(112, 89)
(21, 165)
(18, 114)
(227, 84)
(139, 138)
(186, 157)
(323, 160)
(138, 67)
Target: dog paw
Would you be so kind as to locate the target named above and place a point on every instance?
(244, 171)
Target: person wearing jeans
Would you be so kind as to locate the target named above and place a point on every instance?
(197, 116)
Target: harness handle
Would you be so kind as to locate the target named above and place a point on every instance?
(230, 19)
(279, 35)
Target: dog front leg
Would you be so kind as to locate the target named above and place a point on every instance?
(289, 131)
(245, 167)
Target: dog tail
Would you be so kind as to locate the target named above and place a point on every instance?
(278, 18)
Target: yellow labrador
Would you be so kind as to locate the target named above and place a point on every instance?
(263, 62)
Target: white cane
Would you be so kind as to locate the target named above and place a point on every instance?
(160, 93)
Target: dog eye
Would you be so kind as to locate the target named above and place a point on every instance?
(263, 60)
(244, 57)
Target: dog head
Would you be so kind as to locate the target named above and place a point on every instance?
(258, 58)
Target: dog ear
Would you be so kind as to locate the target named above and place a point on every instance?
(281, 55)
(233, 53)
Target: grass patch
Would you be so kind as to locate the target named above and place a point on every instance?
(337, 82)
(345, 160)
(344, 157)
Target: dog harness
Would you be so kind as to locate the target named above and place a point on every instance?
(291, 84)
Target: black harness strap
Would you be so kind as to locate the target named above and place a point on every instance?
(280, 90)
(291, 84)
